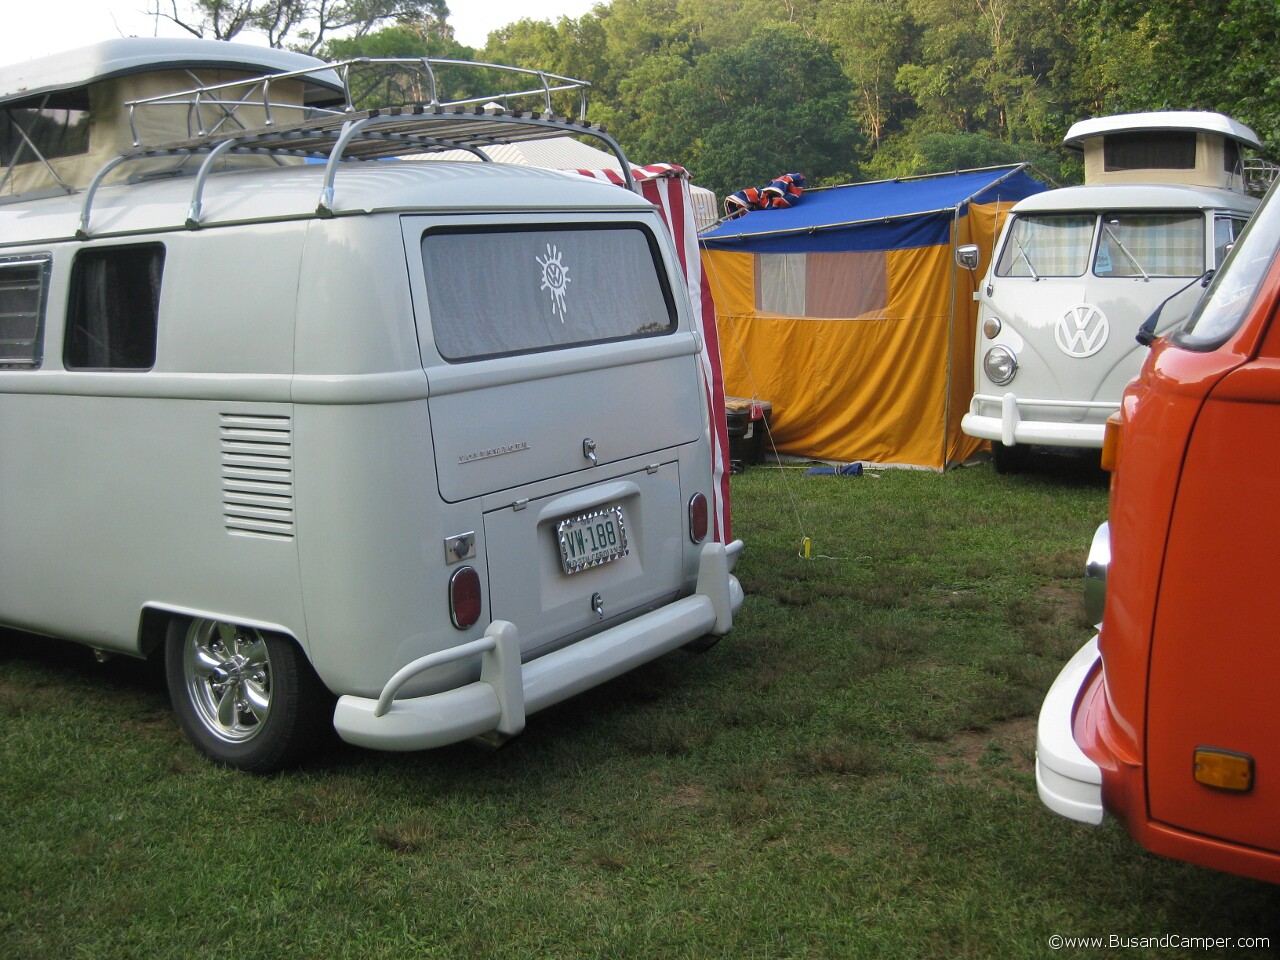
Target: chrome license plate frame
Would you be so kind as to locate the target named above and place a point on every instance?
(592, 539)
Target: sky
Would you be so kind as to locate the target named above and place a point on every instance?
(51, 26)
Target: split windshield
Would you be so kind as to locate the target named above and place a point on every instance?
(1120, 244)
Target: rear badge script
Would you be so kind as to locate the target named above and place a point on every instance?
(493, 452)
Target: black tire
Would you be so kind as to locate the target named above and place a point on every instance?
(1008, 459)
(245, 699)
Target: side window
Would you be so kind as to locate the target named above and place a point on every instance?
(29, 133)
(113, 308)
(24, 285)
(1223, 307)
(1225, 232)
(1150, 150)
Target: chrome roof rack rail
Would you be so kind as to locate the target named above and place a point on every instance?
(347, 131)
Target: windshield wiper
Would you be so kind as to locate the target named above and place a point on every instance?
(1107, 225)
(1022, 251)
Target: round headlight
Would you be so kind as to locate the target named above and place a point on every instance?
(1000, 365)
(991, 327)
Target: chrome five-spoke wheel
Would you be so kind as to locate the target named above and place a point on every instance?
(227, 670)
(246, 698)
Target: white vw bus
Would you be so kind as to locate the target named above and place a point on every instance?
(412, 449)
(1079, 270)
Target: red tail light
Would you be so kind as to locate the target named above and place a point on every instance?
(464, 597)
(698, 518)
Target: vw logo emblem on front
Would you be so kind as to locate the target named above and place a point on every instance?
(1081, 331)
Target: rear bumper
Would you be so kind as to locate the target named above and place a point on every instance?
(1011, 427)
(1069, 782)
(509, 690)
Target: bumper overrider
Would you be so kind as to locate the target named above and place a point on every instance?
(1069, 783)
(509, 690)
(1011, 427)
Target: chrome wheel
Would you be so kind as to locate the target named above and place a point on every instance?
(245, 698)
(227, 673)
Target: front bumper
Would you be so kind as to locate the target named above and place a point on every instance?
(509, 690)
(1069, 782)
(1010, 427)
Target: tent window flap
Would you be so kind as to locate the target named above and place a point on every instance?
(826, 286)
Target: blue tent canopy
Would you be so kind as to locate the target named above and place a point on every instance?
(884, 215)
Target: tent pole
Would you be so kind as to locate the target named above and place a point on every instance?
(951, 327)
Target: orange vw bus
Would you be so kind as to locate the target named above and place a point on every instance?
(1167, 719)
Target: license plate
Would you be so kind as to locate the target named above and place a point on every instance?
(591, 539)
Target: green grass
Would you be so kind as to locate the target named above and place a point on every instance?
(848, 774)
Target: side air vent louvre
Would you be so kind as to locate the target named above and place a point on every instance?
(257, 475)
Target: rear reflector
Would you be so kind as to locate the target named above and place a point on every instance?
(464, 597)
(698, 518)
(1223, 769)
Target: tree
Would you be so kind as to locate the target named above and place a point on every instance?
(1171, 55)
(740, 116)
(910, 154)
(301, 24)
(871, 39)
(378, 85)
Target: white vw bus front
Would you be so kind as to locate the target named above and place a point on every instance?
(1076, 274)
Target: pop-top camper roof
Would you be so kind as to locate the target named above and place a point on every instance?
(62, 117)
(1185, 120)
(139, 109)
(1190, 147)
(76, 69)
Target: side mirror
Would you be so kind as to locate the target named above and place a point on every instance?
(968, 255)
(1147, 332)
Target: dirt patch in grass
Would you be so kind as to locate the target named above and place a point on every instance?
(1006, 744)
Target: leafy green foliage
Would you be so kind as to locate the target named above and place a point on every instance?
(1168, 54)
(776, 103)
(739, 91)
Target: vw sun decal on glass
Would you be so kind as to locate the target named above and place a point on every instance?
(555, 278)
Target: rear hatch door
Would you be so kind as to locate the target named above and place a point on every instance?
(562, 375)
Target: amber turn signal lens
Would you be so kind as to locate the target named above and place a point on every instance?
(1223, 769)
(1111, 443)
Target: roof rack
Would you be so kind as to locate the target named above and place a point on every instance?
(1259, 175)
(343, 132)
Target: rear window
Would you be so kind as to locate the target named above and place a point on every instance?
(496, 292)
